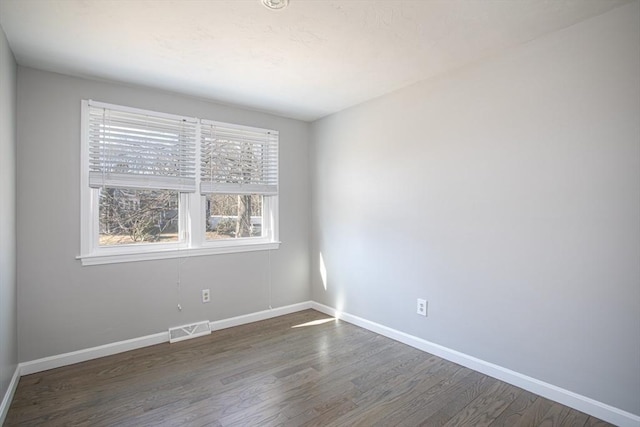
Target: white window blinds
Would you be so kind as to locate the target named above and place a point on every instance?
(140, 149)
(238, 159)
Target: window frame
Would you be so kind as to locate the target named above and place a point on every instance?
(191, 216)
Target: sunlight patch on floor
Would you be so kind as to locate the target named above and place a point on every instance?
(315, 322)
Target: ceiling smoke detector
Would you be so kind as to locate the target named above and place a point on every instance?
(275, 4)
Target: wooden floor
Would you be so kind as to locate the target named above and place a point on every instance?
(294, 370)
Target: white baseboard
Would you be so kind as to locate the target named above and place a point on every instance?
(8, 395)
(65, 359)
(260, 315)
(573, 400)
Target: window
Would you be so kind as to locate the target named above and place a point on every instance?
(157, 185)
(230, 216)
(129, 216)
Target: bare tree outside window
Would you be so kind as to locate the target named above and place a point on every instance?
(231, 216)
(137, 216)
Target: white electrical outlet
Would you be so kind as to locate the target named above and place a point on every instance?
(422, 307)
(206, 295)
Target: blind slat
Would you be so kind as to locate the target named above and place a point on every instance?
(140, 150)
(237, 159)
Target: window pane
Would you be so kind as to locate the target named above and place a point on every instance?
(230, 216)
(130, 216)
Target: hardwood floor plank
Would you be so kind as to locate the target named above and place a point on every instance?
(533, 415)
(428, 392)
(514, 412)
(486, 407)
(286, 371)
(594, 422)
(289, 403)
(555, 415)
(454, 406)
(391, 395)
(293, 402)
(321, 393)
(327, 416)
(417, 410)
(575, 419)
(380, 372)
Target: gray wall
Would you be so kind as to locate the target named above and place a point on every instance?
(63, 306)
(8, 326)
(508, 195)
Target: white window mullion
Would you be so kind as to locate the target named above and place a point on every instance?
(196, 216)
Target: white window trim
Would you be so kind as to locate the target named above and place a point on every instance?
(191, 218)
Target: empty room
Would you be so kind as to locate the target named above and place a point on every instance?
(320, 212)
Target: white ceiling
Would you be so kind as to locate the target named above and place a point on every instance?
(314, 58)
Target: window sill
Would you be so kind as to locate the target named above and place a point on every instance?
(148, 255)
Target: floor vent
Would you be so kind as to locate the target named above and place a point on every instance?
(185, 332)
